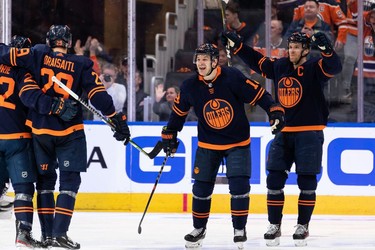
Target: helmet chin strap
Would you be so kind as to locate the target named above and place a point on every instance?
(300, 58)
(209, 73)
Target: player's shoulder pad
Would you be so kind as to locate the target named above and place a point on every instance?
(41, 47)
(80, 59)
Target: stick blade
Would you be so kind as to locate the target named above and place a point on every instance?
(139, 230)
(156, 150)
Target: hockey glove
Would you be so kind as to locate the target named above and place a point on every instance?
(64, 108)
(122, 132)
(169, 139)
(322, 42)
(232, 39)
(277, 118)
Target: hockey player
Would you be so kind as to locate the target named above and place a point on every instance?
(298, 83)
(61, 144)
(16, 154)
(6, 202)
(217, 95)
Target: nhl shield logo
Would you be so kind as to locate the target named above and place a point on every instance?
(66, 164)
(24, 174)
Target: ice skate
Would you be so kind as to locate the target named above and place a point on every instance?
(24, 239)
(272, 236)
(239, 237)
(195, 238)
(299, 237)
(64, 242)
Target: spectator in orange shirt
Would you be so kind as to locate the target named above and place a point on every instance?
(330, 12)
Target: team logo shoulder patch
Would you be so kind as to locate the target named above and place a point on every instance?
(218, 113)
(289, 91)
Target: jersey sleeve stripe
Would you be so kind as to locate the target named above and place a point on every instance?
(13, 57)
(26, 88)
(95, 90)
(257, 97)
(321, 67)
(178, 111)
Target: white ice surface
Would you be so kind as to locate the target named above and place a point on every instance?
(115, 231)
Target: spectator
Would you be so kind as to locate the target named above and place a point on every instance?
(139, 97)
(90, 48)
(350, 51)
(233, 22)
(278, 43)
(368, 66)
(123, 74)
(223, 58)
(164, 101)
(115, 90)
(330, 12)
(310, 23)
(163, 108)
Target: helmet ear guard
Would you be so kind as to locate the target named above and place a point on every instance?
(59, 36)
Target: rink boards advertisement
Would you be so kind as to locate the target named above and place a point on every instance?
(348, 175)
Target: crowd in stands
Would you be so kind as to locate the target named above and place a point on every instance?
(336, 18)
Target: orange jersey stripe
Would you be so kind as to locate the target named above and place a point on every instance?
(15, 136)
(303, 128)
(223, 147)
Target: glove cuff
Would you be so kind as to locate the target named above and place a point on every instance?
(277, 107)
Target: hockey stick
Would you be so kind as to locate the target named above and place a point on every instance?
(154, 152)
(152, 192)
(227, 48)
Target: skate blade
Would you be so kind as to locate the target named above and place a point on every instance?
(300, 243)
(22, 246)
(273, 243)
(193, 245)
(240, 245)
(5, 215)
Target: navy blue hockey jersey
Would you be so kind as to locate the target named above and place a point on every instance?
(300, 90)
(74, 71)
(12, 112)
(219, 106)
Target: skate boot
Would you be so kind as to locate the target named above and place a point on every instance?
(24, 239)
(64, 242)
(272, 236)
(239, 237)
(46, 241)
(299, 237)
(195, 238)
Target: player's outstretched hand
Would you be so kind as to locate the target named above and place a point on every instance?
(169, 139)
(66, 109)
(122, 132)
(232, 39)
(322, 42)
(276, 118)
